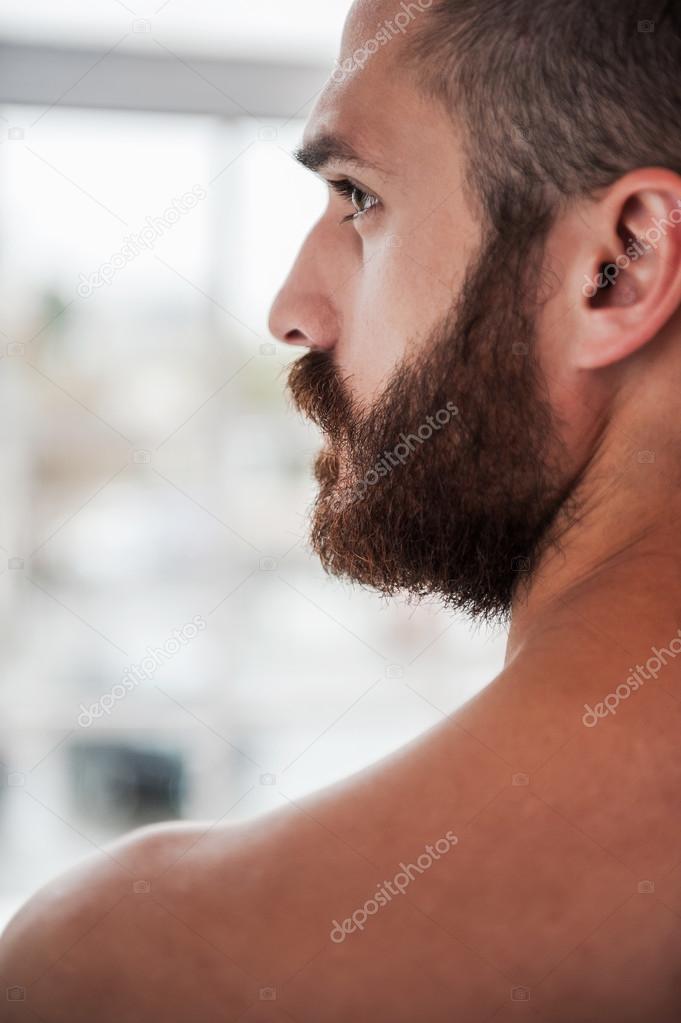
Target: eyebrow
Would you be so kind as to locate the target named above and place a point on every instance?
(328, 148)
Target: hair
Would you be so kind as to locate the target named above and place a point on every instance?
(558, 98)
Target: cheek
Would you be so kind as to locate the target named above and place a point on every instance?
(393, 305)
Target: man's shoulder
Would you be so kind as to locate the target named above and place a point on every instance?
(180, 917)
(216, 918)
(102, 921)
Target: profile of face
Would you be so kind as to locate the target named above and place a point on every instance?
(443, 468)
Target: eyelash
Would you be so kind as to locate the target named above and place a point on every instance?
(348, 190)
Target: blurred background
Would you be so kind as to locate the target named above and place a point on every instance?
(169, 646)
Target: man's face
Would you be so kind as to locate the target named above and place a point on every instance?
(439, 471)
(371, 289)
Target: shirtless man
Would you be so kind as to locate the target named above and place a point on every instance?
(496, 287)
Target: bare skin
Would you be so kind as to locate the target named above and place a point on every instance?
(559, 899)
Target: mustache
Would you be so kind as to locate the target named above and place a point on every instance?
(319, 393)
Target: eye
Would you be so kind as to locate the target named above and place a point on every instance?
(362, 200)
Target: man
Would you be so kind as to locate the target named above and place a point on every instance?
(491, 304)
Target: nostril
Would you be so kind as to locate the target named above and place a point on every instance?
(295, 337)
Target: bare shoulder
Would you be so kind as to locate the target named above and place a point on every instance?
(332, 905)
(181, 920)
(94, 926)
(437, 880)
(250, 919)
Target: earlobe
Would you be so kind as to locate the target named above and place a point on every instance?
(632, 285)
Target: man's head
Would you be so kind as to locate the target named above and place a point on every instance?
(494, 158)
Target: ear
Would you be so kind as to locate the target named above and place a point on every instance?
(629, 267)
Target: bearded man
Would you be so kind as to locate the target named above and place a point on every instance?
(491, 303)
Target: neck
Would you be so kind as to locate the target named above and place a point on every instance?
(618, 569)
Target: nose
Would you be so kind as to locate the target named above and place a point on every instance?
(302, 313)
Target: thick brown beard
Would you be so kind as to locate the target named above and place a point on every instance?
(467, 514)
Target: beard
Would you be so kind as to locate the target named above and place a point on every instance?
(451, 483)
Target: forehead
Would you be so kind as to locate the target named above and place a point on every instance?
(365, 17)
(371, 98)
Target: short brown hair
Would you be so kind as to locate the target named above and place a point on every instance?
(558, 97)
